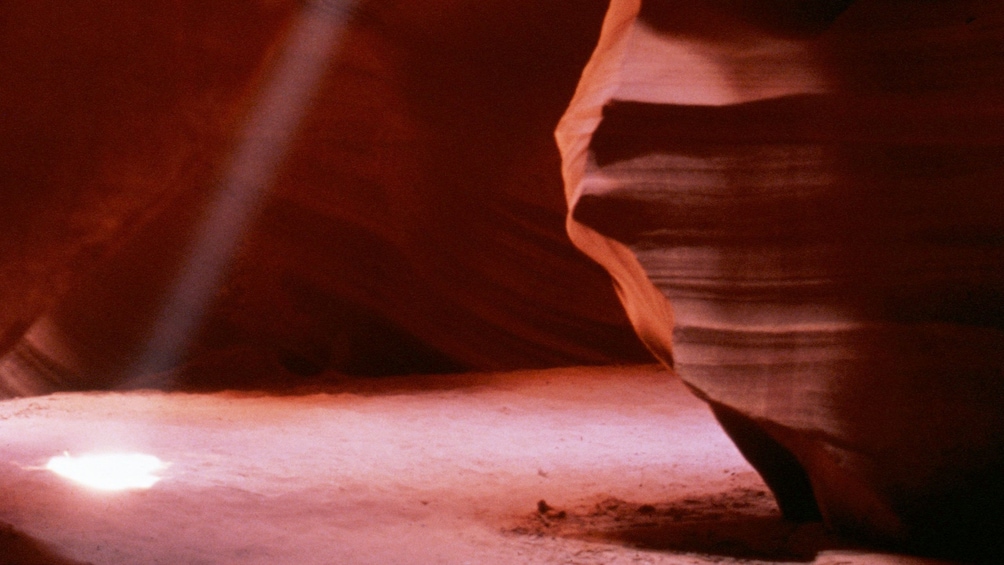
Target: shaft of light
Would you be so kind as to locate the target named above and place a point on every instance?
(251, 171)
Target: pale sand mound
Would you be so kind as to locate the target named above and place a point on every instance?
(578, 465)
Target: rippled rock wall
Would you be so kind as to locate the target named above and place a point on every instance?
(802, 209)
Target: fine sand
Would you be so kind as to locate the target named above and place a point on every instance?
(598, 465)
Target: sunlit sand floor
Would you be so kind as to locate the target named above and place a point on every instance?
(577, 465)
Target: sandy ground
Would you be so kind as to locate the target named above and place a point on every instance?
(579, 466)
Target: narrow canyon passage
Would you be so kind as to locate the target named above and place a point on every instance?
(299, 201)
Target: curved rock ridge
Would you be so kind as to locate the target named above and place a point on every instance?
(808, 225)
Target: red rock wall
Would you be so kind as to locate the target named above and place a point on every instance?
(415, 225)
(804, 217)
(108, 110)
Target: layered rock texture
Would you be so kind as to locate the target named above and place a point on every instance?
(284, 187)
(801, 205)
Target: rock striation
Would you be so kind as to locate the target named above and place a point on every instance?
(801, 207)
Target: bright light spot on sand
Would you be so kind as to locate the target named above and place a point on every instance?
(110, 471)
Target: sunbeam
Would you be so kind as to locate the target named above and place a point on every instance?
(246, 179)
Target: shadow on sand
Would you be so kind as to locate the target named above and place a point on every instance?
(18, 548)
(737, 524)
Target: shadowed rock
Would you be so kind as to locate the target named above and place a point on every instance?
(415, 223)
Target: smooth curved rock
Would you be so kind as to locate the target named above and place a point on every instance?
(416, 223)
(803, 216)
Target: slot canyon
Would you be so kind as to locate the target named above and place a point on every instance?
(458, 281)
